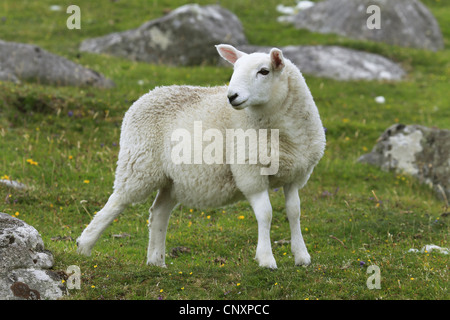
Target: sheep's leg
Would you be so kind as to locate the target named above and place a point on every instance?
(298, 246)
(101, 220)
(158, 222)
(262, 208)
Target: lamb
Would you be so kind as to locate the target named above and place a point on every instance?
(266, 92)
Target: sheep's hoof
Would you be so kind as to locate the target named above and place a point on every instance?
(303, 260)
(269, 265)
(157, 264)
(156, 260)
(83, 250)
(267, 262)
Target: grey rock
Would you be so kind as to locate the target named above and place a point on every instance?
(20, 61)
(406, 23)
(338, 63)
(25, 264)
(185, 36)
(415, 150)
(13, 184)
(6, 75)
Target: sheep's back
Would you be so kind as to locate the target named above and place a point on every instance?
(146, 141)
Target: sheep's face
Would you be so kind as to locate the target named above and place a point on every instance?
(256, 76)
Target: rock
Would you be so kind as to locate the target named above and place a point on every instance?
(415, 150)
(338, 63)
(429, 248)
(406, 23)
(380, 99)
(301, 5)
(13, 184)
(432, 247)
(6, 75)
(25, 264)
(185, 36)
(20, 61)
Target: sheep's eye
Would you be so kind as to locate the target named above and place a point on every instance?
(264, 71)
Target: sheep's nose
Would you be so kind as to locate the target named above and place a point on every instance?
(233, 97)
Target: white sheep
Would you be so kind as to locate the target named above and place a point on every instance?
(266, 91)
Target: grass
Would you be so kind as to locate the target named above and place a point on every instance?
(63, 142)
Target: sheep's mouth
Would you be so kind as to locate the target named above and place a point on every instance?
(238, 106)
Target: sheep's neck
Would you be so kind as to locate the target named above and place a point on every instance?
(275, 115)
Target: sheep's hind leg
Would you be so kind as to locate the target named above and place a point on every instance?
(262, 208)
(298, 246)
(158, 222)
(101, 221)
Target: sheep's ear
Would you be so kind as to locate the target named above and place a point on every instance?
(229, 53)
(276, 56)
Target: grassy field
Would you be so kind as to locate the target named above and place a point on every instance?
(63, 143)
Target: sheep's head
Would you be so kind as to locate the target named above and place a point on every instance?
(256, 78)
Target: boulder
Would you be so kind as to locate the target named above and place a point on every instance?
(13, 184)
(406, 23)
(25, 264)
(185, 36)
(20, 61)
(338, 63)
(415, 150)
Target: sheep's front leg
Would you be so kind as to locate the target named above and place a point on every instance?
(298, 246)
(262, 208)
(158, 222)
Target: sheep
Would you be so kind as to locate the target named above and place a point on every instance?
(266, 91)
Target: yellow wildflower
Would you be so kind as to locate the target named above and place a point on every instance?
(32, 162)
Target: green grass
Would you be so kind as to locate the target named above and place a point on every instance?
(351, 213)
